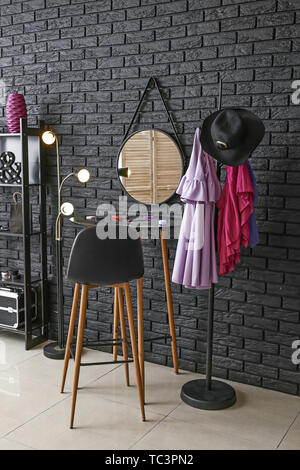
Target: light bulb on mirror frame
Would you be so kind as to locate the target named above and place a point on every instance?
(67, 209)
(48, 137)
(125, 172)
(83, 175)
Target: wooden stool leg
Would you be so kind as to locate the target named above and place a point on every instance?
(141, 330)
(134, 348)
(70, 335)
(164, 249)
(80, 333)
(123, 332)
(116, 324)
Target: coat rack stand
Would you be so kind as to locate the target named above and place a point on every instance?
(208, 394)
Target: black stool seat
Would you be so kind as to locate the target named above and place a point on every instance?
(104, 262)
(93, 263)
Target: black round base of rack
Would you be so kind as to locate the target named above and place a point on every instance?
(54, 351)
(219, 397)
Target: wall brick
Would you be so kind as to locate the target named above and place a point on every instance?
(82, 66)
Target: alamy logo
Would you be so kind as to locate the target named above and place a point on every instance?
(296, 94)
(296, 353)
(137, 220)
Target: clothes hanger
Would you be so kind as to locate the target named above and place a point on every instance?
(208, 394)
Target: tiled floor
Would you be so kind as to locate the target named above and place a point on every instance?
(34, 415)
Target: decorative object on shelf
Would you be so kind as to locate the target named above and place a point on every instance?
(16, 220)
(56, 350)
(15, 110)
(10, 170)
(9, 275)
(5, 275)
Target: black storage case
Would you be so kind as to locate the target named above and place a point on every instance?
(12, 307)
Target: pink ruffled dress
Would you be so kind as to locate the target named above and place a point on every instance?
(195, 260)
(235, 208)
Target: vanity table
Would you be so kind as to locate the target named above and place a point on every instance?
(81, 221)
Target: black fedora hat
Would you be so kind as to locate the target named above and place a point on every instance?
(231, 134)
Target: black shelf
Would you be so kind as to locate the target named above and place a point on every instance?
(15, 185)
(27, 146)
(12, 234)
(19, 282)
(9, 135)
(36, 325)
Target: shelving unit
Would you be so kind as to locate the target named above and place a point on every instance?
(28, 150)
(11, 234)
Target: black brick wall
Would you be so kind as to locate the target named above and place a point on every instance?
(82, 66)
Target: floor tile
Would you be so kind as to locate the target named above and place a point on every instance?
(163, 387)
(7, 423)
(266, 401)
(21, 399)
(253, 417)
(12, 350)
(42, 369)
(292, 439)
(99, 424)
(35, 415)
(7, 444)
(31, 387)
(178, 435)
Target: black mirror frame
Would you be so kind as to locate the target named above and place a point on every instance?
(181, 157)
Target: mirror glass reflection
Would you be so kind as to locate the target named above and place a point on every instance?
(150, 166)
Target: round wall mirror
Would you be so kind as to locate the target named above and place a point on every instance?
(150, 166)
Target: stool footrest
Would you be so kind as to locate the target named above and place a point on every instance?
(113, 342)
(84, 364)
(102, 363)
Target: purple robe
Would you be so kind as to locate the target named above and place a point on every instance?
(195, 262)
(254, 237)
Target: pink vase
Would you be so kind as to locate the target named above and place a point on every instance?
(15, 109)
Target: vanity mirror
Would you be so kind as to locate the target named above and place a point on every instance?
(150, 166)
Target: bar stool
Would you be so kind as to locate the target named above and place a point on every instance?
(112, 263)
